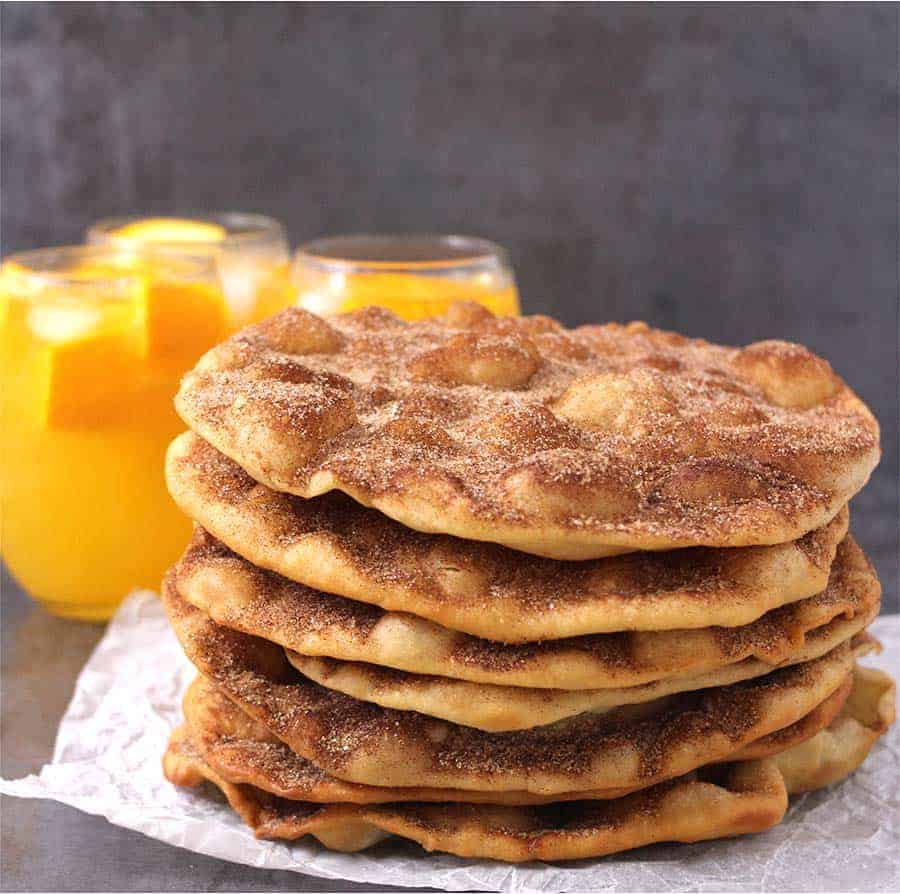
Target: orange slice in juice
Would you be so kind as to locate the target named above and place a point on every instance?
(183, 320)
(181, 317)
(86, 362)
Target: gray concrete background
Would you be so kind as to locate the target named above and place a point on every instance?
(730, 171)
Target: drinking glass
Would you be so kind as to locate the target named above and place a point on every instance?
(93, 342)
(415, 275)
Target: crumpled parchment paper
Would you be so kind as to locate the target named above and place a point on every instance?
(127, 699)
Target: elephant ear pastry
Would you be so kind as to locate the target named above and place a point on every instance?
(571, 444)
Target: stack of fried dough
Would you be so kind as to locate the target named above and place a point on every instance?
(515, 591)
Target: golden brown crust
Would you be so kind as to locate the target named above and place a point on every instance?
(806, 728)
(335, 545)
(838, 750)
(712, 802)
(571, 444)
(243, 751)
(733, 800)
(238, 595)
(364, 743)
(505, 708)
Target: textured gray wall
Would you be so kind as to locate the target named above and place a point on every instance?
(729, 171)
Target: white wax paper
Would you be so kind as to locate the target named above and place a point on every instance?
(127, 699)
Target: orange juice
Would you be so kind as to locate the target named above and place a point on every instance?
(92, 344)
(415, 276)
(250, 253)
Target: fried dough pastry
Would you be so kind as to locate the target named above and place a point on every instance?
(361, 742)
(243, 751)
(238, 595)
(840, 748)
(337, 546)
(712, 802)
(506, 708)
(734, 800)
(572, 444)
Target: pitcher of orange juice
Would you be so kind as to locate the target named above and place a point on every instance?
(413, 275)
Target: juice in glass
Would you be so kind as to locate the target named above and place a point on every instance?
(250, 252)
(93, 342)
(413, 275)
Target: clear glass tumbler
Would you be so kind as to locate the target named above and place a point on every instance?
(93, 342)
(415, 275)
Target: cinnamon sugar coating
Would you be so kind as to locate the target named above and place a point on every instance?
(565, 443)
(243, 597)
(360, 742)
(244, 752)
(333, 544)
(504, 708)
(739, 798)
(731, 799)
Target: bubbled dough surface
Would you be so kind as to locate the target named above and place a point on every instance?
(566, 443)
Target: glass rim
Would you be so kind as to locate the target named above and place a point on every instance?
(242, 228)
(336, 253)
(38, 268)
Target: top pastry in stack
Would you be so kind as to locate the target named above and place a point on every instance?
(516, 591)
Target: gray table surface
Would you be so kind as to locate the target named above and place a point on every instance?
(47, 846)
